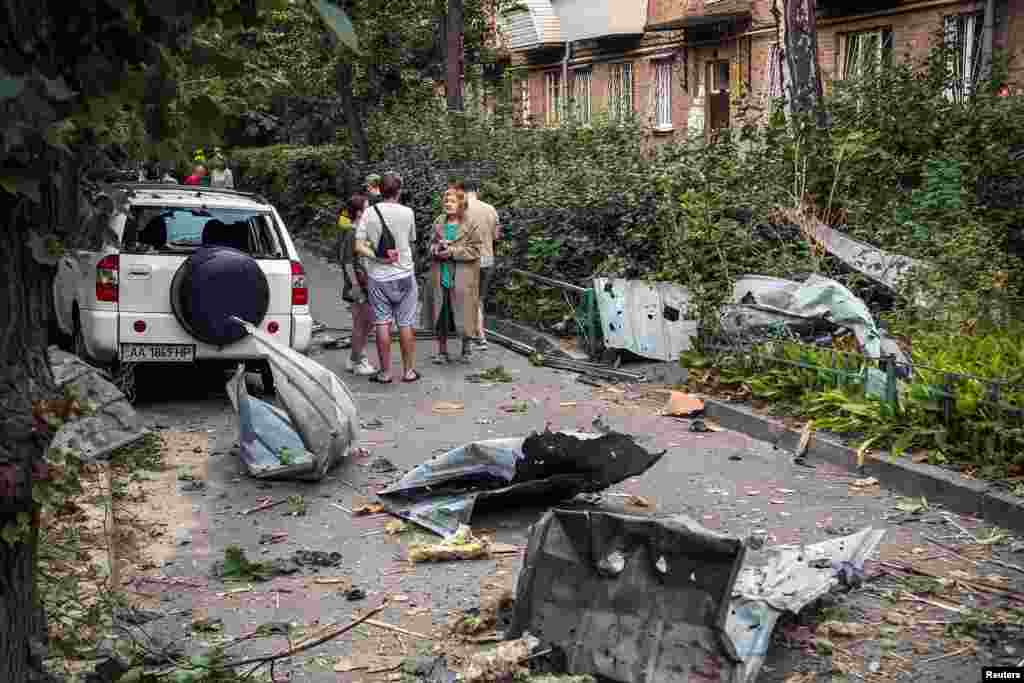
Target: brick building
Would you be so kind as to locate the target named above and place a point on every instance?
(692, 66)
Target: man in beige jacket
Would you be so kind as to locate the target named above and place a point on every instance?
(485, 217)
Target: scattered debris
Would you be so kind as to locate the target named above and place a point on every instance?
(265, 504)
(374, 423)
(448, 407)
(95, 418)
(236, 566)
(369, 509)
(484, 618)
(516, 407)
(496, 375)
(845, 629)
(332, 580)
(273, 537)
(699, 427)
(504, 662)
(397, 629)
(316, 558)
(442, 493)
(395, 527)
(296, 506)
(865, 487)
(382, 465)
(353, 594)
(805, 440)
(429, 669)
(461, 545)
(645, 318)
(212, 625)
(317, 427)
(681, 404)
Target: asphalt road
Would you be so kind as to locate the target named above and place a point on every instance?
(725, 480)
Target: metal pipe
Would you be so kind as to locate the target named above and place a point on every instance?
(547, 280)
(565, 79)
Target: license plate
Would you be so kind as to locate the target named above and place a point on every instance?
(158, 353)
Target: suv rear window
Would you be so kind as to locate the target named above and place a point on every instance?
(182, 230)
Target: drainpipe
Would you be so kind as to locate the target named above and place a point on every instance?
(565, 79)
(987, 39)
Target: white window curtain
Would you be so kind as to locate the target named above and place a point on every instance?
(663, 94)
(553, 97)
(581, 81)
(864, 51)
(963, 38)
(620, 91)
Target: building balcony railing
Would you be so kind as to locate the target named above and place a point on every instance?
(669, 14)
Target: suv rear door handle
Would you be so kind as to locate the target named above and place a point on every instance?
(141, 271)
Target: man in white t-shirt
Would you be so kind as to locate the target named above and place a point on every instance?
(393, 292)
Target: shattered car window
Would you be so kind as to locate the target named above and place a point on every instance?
(174, 230)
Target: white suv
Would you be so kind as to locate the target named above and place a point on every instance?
(159, 280)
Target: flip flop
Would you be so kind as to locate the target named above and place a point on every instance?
(415, 377)
(377, 379)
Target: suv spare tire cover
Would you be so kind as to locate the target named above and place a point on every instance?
(214, 284)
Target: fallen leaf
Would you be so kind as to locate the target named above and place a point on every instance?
(897, 618)
(395, 526)
(331, 580)
(681, 404)
(371, 509)
(847, 629)
(911, 505)
(447, 407)
(864, 483)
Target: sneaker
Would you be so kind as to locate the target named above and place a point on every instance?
(480, 344)
(363, 368)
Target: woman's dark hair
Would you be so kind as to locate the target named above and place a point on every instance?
(356, 205)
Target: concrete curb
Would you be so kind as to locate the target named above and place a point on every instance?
(937, 485)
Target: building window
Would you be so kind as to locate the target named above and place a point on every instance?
(620, 91)
(865, 51)
(963, 39)
(581, 79)
(553, 97)
(663, 94)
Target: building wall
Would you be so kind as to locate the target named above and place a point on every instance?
(914, 26)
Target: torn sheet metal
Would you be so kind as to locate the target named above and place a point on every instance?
(634, 599)
(793, 578)
(111, 422)
(443, 492)
(645, 318)
(881, 266)
(269, 446)
(761, 301)
(318, 404)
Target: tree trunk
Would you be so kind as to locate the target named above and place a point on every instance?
(343, 77)
(25, 378)
(801, 73)
(454, 56)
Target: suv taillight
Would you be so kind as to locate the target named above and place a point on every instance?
(300, 294)
(106, 278)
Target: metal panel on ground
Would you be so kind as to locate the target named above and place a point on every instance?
(645, 318)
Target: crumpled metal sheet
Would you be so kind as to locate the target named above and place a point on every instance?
(635, 599)
(645, 318)
(881, 266)
(319, 406)
(268, 444)
(794, 577)
(443, 492)
(112, 422)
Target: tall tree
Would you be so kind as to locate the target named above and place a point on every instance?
(454, 55)
(801, 73)
(68, 72)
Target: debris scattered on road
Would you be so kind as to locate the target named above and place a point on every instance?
(296, 506)
(397, 629)
(484, 618)
(441, 494)
(681, 404)
(516, 407)
(236, 565)
(369, 509)
(96, 417)
(316, 558)
(273, 537)
(462, 545)
(373, 423)
(332, 580)
(316, 429)
(354, 594)
(448, 407)
(805, 440)
(429, 669)
(382, 465)
(868, 486)
(699, 427)
(495, 375)
(395, 527)
(504, 662)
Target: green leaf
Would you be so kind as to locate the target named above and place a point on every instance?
(339, 23)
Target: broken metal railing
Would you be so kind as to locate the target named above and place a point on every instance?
(887, 379)
(585, 312)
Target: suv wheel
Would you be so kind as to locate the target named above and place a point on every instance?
(78, 340)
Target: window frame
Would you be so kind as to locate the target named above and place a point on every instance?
(664, 70)
(585, 105)
(553, 100)
(620, 93)
(884, 56)
(965, 84)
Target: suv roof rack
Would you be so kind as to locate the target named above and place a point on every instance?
(199, 190)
